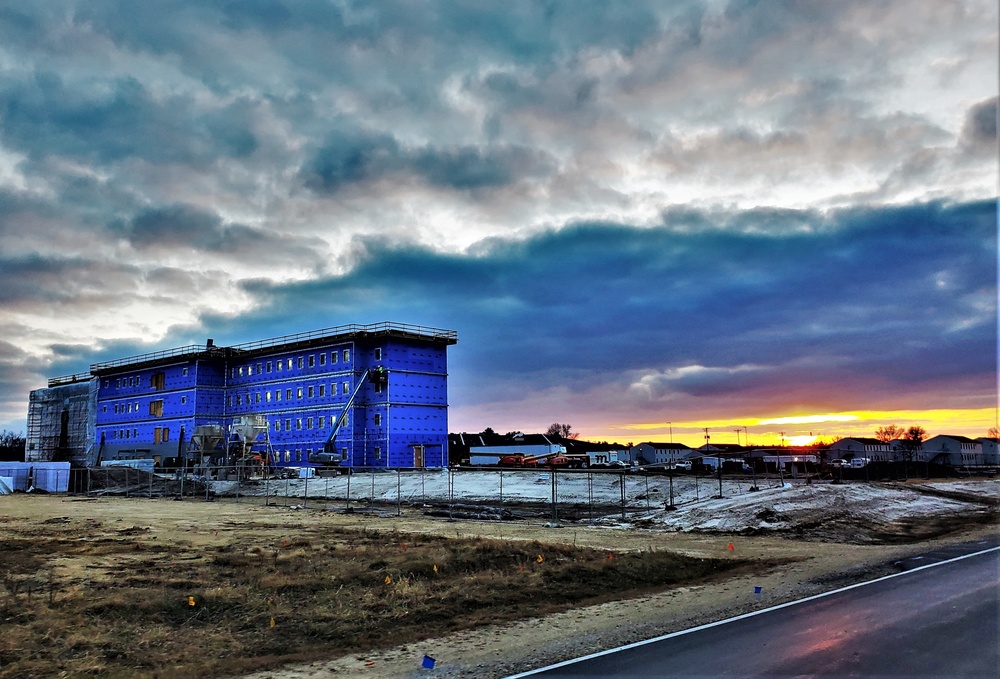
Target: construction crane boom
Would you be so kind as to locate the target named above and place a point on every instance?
(328, 447)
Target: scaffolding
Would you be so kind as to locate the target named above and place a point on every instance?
(61, 421)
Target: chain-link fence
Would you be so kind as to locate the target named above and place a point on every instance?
(499, 494)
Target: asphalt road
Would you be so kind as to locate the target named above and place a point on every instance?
(937, 618)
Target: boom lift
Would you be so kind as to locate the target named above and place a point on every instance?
(329, 456)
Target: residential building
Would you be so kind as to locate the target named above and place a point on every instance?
(952, 450)
(376, 395)
(871, 448)
(991, 454)
(653, 452)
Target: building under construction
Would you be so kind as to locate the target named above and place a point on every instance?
(355, 395)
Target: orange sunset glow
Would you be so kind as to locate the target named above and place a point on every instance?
(801, 430)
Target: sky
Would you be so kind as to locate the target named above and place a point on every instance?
(643, 219)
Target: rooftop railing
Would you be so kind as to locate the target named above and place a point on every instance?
(152, 356)
(68, 379)
(450, 336)
(351, 329)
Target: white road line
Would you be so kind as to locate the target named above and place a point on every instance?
(747, 615)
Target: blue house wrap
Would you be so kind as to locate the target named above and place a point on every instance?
(370, 395)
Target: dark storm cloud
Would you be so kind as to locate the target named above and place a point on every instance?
(103, 120)
(81, 283)
(187, 228)
(980, 127)
(348, 158)
(903, 293)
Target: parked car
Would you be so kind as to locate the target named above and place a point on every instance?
(681, 465)
(611, 464)
(840, 463)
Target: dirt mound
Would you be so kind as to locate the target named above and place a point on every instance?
(855, 513)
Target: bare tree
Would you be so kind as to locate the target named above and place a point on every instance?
(993, 433)
(889, 432)
(912, 440)
(11, 445)
(563, 430)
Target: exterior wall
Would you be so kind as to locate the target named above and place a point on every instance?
(658, 453)
(147, 411)
(854, 448)
(991, 451)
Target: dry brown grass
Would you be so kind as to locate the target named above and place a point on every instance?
(79, 600)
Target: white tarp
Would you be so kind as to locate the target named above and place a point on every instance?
(18, 472)
(145, 464)
(52, 477)
(6, 485)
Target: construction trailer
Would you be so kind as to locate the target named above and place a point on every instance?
(373, 395)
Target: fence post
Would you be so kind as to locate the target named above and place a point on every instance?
(350, 473)
(501, 486)
(399, 508)
(622, 477)
(590, 494)
(267, 490)
(555, 493)
(305, 490)
(451, 492)
(126, 481)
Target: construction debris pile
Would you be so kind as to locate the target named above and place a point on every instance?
(121, 481)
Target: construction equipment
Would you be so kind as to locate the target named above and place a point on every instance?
(329, 456)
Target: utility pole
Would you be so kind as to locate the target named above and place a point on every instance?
(718, 461)
(781, 474)
(673, 464)
(738, 437)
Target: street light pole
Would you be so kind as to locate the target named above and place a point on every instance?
(718, 461)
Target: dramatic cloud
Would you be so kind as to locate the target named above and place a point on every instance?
(704, 207)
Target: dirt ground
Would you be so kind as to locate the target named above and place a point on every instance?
(810, 567)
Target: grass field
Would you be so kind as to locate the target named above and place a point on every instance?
(90, 597)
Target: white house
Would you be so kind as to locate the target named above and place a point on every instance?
(955, 451)
(652, 452)
(871, 448)
(991, 453)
